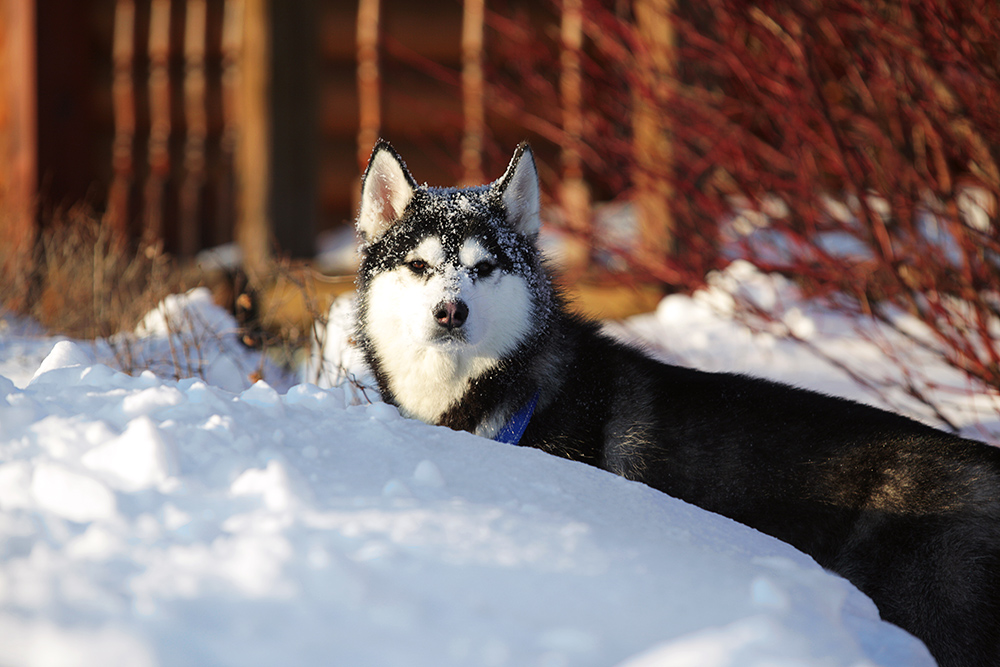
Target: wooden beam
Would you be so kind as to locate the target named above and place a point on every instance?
(253, 157)
(651, 135)
(18, 140)
(369, 108)
(228, 205)
(118, 213)
(473, 91)
(160, 125)
(574, 195)
(196, 120)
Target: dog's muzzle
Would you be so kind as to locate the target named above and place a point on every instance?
(451, 314)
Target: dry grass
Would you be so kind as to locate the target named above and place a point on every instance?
(85, 282)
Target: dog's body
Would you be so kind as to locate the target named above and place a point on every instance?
(462, 327)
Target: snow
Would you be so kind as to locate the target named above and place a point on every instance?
(147, 519)
(826, 351)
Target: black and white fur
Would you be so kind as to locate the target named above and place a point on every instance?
(460, 323)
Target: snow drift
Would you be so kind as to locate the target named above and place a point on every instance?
(152, 521)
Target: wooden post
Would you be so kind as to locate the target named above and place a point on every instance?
(472, 91)
(18, 142)
(123, 107)
(574, 194)
(369, 107)
(196, 119)
(253, 156)
(651, 136)
(227, 209)
(159, 120)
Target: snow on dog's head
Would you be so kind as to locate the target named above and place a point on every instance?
(450, 279)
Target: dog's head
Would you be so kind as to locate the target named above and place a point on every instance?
(449, 279)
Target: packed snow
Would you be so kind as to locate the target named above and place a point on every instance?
(156, 519)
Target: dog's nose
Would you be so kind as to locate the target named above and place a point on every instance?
(451, 314)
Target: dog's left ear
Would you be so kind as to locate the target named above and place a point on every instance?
(518, 189)
(386, 189)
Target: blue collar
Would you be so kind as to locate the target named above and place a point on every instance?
(512, 431)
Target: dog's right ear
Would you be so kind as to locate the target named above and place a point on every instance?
(518, 189)
(386, 189)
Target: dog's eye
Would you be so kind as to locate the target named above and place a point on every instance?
(418, 266)
(484, 269)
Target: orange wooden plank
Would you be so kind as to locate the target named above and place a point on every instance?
(18, 137)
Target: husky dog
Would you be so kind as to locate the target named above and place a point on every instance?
(461, 325)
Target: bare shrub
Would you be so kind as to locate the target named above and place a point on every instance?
(88, 283)
(850, 145)
(866, 135)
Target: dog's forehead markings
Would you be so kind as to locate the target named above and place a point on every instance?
(472, 252)
(429, 250)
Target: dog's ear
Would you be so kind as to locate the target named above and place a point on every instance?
(518, 189)
(386, 189)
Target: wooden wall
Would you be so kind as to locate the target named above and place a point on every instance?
(420, 114)
(197, 122)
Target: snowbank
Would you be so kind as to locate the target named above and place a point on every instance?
(707, 330)
(186, 335)
(151, 522)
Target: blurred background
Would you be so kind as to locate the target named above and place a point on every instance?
(850, 145)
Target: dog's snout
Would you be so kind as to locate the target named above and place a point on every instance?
(451, 314)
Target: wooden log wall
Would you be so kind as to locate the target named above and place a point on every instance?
(178, 118)
(146, 107)
(389, 68)
(173, 120)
